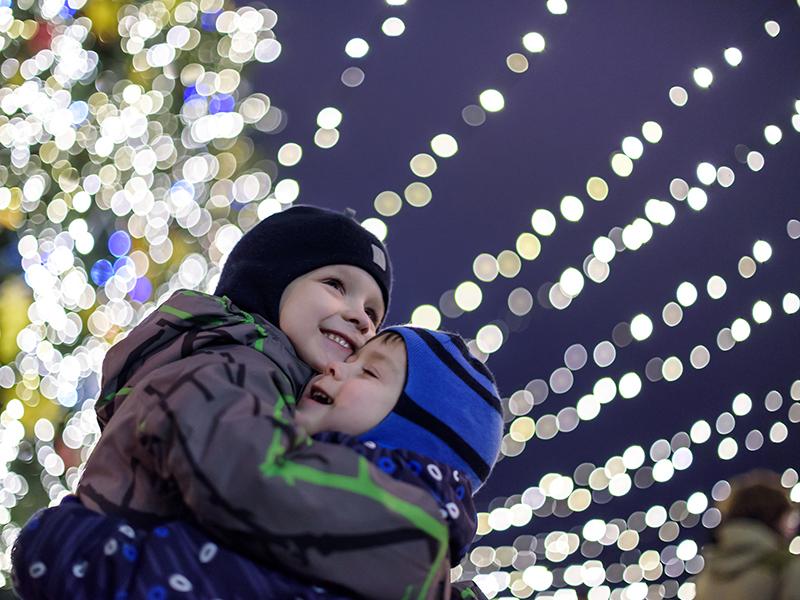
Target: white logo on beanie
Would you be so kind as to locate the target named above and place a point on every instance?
(378, 257)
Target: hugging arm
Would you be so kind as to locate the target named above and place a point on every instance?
(453, 495)
(451, 491)
(221, 430)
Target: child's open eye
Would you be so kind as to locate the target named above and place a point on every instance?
(335, 283)
(373, 316)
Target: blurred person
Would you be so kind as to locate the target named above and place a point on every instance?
(750, 558)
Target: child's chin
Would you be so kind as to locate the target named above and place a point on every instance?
(317, 361)
(309, 413)
(314, 356)
(302, 420)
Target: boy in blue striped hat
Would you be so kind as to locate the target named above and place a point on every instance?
(414, 401)
(414, 389)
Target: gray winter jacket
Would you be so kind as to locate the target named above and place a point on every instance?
(196, 409)
(750, 562)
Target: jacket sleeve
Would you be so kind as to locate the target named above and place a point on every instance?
(467, 590)
(218, 425)
(451, 491)
(789, 580)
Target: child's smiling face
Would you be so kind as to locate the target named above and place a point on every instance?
(330, 312)
(354, 396)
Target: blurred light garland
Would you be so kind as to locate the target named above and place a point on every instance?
(629, 237)
(563, 495)
(542, 579)
(523, 506)
(329, 118)
(604, 354)
(611, 480)
(443, 145)
(528, 552)
(605, 389)
(528, 245)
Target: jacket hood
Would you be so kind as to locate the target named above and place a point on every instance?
(742, 544)
(208, 321)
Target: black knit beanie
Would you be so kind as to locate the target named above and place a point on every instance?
(291, 243)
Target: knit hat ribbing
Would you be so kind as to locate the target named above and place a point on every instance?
(291, 243)
(449, 409)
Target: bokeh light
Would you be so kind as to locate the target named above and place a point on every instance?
(143, 184)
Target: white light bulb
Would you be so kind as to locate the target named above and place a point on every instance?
(703, 76)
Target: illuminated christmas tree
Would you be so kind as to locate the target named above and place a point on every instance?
(127, 172)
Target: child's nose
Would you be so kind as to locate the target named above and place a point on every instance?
(335, 369)
(359, 318)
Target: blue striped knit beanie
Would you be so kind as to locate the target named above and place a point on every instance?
(449, 409)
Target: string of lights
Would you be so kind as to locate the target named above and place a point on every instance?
(330, 117)
(468, 296)
(490, 337)
(562, 495)
(560, 381)
(668, 456)
(728, 446)
(443, 145)
(596, 535)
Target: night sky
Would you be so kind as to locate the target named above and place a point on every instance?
(607, 68)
